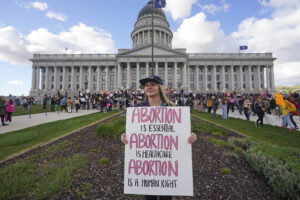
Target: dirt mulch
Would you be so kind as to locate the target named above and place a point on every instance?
(105, 181)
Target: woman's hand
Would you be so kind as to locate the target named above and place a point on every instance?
(192, 138)
(124, 138)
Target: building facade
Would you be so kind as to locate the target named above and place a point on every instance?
(201, 72)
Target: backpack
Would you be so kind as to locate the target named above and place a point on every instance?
(291, 107)
(64, 103)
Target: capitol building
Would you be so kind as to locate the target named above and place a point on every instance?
(199, 72)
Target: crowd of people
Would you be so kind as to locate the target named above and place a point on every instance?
(249, 105)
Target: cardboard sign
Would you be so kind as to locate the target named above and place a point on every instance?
(279, 99)
(158, 158)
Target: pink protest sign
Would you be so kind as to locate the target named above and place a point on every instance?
(158, 158)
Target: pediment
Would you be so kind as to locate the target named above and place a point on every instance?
(157, 51)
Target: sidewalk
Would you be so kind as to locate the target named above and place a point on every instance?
(23, 121)
(268, 119)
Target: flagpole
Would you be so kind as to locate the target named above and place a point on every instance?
(152, 63)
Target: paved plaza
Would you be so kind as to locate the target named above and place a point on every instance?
(25, 121)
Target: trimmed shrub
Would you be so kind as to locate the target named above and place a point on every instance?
(217, 141)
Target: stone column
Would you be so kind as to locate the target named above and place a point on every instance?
(272, 78)
(197, 77)
(81, 78)
(205, 78)
(55, 78)
(249, 78)
(240, 78)
(64, 78)
(137, 75)
(223, 78)
(119, 75)
(175, 75)
(231, 78)
(258, 78)
(38, 78)
(166, 75)
(99, 78)
(188, 77)
(184, 75)
(156, 68)
(128, 84)
(268, 78)
(214, 82)
(107, 77)
(147, 69)
(72, 77)
(33, 79)
(47, 78)
(90, 79)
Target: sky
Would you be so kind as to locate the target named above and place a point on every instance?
(99, 26)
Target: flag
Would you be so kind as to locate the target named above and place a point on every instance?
(160, 3)
(243, 47)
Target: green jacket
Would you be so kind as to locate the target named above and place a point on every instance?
(2, 107)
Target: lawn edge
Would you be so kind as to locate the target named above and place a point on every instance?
(220, 126)
(16, 155)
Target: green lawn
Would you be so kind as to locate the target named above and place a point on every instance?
(270, 134)
(33, 110)
(17, 141)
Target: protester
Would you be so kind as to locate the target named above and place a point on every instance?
(2, 110)
(215, 105)
(224, 108)
(69, 105)
(77, 104)
(155, 96)
(209, 104)
(286, 116)
(260, 111)
(10, 108)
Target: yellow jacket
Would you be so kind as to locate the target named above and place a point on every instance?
(284, 108)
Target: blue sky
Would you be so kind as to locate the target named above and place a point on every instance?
(98, 26)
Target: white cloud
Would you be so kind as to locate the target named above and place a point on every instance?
(58, 16)
(280, 7)
(39, 5)
(198, 35)
(17, 49)
(212, 8)
(16, 82)
(13, 46)
(179, 9)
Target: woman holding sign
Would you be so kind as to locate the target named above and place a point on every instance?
(155, 96)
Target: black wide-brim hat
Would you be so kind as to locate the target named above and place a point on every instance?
(151, 78)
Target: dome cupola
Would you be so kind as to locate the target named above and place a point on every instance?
(142, 33)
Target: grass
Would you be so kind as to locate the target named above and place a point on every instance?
(18, 141)
(217, 141)
(225, 171)
(33, 180)
(111, 129)
(33, 110)
(270, 134)
(104, 161)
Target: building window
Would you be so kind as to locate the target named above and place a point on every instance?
(70, 70)
(124, 77)
(226, 77)
(218, 77)
(103, 78)
(178, 76)
(77, 87)
(143, 75)
(69, 78)
(244, 85)
(209, 69)
(192, 85)
(78, 70)
(52, 86)
(244, 77)
(60, 86)
(235, 77)
(200, 77)
(192, 78)
(226, 85)
(209, 86)
(235, 85)
(252, 78)
(226, 70)
(60, 78)
(69, 86)
(208, 77)
(218, 70)
(52, 78)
